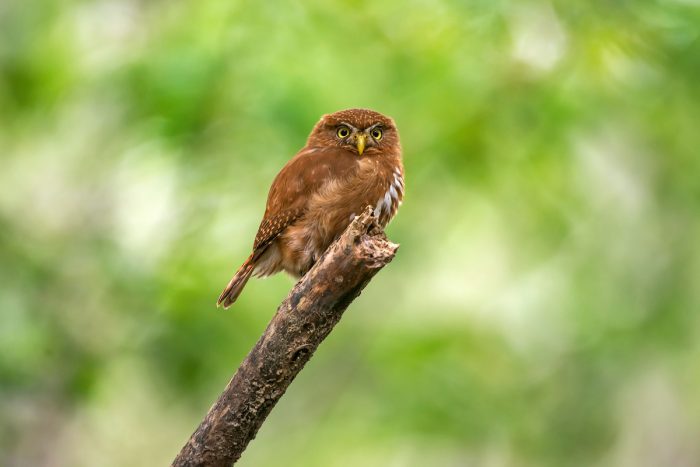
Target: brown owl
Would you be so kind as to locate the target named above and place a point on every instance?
(351, 160)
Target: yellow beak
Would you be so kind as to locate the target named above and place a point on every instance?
(360, 141)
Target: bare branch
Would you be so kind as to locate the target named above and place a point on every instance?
(301, 323)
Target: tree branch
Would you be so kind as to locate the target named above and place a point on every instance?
(301, 323)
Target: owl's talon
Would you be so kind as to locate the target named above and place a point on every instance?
(375, 229)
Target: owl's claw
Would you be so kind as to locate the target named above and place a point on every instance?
(371, 221)
(375, 229)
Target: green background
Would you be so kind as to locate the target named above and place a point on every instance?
(542, 309)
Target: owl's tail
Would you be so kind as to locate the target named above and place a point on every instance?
(235, 286)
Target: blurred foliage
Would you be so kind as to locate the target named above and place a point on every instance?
(542, 310)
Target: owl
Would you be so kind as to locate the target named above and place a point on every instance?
(352, 159)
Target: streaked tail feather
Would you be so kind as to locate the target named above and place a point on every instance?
(235, 286)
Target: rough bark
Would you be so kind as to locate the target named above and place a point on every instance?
(301, 323)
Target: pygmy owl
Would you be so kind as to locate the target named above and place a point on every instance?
(352, 159)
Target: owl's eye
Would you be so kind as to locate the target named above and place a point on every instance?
(343, 132)
(376, 134)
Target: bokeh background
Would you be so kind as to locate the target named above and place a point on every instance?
(542, 309)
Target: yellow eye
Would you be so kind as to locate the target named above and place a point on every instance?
(343, 132)
(376, 134)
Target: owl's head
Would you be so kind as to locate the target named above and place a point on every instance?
(362, 131)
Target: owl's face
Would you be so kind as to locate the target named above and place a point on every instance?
(364, 132)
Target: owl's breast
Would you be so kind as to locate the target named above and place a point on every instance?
(330, 209)
(380, 186)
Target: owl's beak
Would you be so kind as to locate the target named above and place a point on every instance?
(360, 141)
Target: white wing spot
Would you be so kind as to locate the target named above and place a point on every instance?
(378, 209)
(398, 181)
(387, 202)
(393, 192)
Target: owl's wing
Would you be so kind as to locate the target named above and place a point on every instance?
(294, 186)
(272, 226)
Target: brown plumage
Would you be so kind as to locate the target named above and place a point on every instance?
(351, 160)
